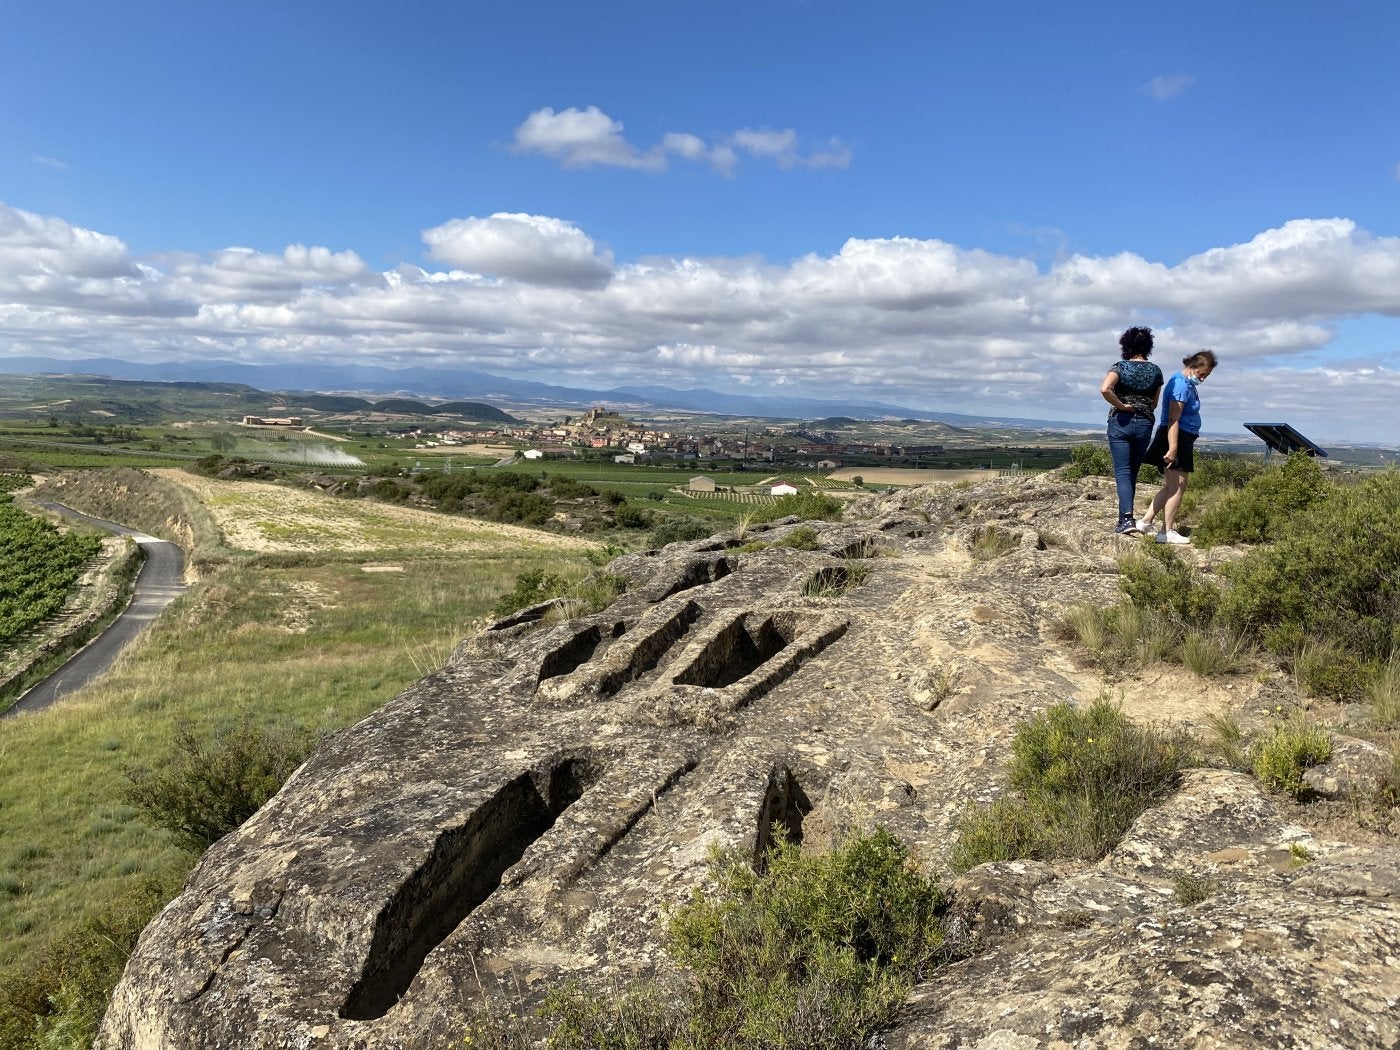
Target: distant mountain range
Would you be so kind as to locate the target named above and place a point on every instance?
(457, 383)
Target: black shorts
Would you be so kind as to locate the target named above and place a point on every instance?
(1185, 442)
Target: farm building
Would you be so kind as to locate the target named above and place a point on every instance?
(533, 453)
(701, 484)
(783, 488)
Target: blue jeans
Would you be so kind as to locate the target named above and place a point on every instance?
(1129, 434)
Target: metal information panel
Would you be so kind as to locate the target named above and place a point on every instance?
(1280, 437)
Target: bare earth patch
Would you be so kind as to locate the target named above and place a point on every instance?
(264, 518)
(910, 475)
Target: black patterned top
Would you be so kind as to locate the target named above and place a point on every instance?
(1138, 383)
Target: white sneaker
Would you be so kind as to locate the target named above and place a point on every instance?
(1171, 537)
(1147, 528)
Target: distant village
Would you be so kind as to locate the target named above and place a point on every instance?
(601, 429)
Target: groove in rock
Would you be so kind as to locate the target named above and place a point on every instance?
(741, 647)
(696, 574)
(650, 648)
(464, 869)
(577, 651)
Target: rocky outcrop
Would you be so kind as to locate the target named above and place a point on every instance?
(525, 815)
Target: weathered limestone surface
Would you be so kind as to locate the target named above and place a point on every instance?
(525, 814)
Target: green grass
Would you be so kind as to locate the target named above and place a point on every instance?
(1082, 775)
(1281, 759)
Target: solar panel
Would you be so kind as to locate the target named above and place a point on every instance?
(1280, 437)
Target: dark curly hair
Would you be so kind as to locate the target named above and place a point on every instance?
(1136, 342)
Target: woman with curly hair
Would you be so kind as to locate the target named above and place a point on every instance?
(1173, 444)
(1132, 387)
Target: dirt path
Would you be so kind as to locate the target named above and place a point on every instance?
(260, 517)
(910, 475)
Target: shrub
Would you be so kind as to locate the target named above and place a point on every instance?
(567, 488)
(1191, 889)
(817, 950)
(206, 788)
(600, 590)
(805, 951)
(1323, 668)
(1225, 470)
(531, 587)
(810, 506)
(629, 517)
(1089, 460)
(1267, 505)
(58, 999)
(678, 530)
(1294, 746)
(1332, 575)
(1161, 582)
(802, 538)
(1084, 774)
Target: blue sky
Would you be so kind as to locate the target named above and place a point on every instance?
(939, 205)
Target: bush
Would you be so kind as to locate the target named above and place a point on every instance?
(1089, 460)
(1323, 668)
(1216, 470)
(1332, 575)
(809, 506)
(1280, 760)
(531, 587)
(626, 516)
(678, 530)
(1083, 774)
(817, 950)
(802, 538)
(58, 1000)
(600, 590)
(1267, 505)
(1159, 581)
(207, 788)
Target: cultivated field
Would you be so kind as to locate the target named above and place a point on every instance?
(265, 518)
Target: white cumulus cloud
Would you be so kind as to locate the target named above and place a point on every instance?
(535, 249)
(583, 138)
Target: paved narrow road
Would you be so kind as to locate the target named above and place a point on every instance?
(157, 585)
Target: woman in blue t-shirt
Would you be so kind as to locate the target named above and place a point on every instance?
(1173, 444)
(1132, 387)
